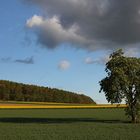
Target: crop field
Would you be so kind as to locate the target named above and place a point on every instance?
(67, 124)
(48, 105)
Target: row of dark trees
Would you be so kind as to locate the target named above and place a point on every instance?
(12, 91)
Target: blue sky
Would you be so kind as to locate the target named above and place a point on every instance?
(35, 47)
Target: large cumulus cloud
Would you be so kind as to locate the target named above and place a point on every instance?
(51, 33)
(88, 24)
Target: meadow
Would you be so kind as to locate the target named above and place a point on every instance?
(67, 124)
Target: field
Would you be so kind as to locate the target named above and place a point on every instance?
(48, 105)
(67, 124)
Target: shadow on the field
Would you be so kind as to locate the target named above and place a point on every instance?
(57, 120)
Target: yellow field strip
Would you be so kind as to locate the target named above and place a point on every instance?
(21, 106)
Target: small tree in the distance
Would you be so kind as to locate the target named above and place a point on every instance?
(123, 82)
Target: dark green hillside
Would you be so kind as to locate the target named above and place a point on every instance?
(12, 91)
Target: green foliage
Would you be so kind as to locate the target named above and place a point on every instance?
(20, 92)
(123, 82)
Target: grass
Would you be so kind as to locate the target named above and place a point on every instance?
(66, 124)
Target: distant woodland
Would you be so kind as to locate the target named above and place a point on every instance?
(12, 91)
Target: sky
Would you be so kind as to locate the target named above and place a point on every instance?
(65, 43)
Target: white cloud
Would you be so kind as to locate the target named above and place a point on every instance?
(101, 60)
(51, 33)
(64, 65)
(89, 60)
(133, 52)
(34, 21)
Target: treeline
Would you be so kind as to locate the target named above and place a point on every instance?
(12, 91)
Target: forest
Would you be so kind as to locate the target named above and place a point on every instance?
(13, 91)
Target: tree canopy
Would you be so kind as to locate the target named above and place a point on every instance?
(22, 92)
(123, 82)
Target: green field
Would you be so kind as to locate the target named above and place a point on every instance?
(66, 124)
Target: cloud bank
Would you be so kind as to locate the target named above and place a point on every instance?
(28, 60)
(87, 24)
(5, 59)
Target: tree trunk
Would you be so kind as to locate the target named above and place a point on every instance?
(133, 113)
(134, 118)
(133, 108)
